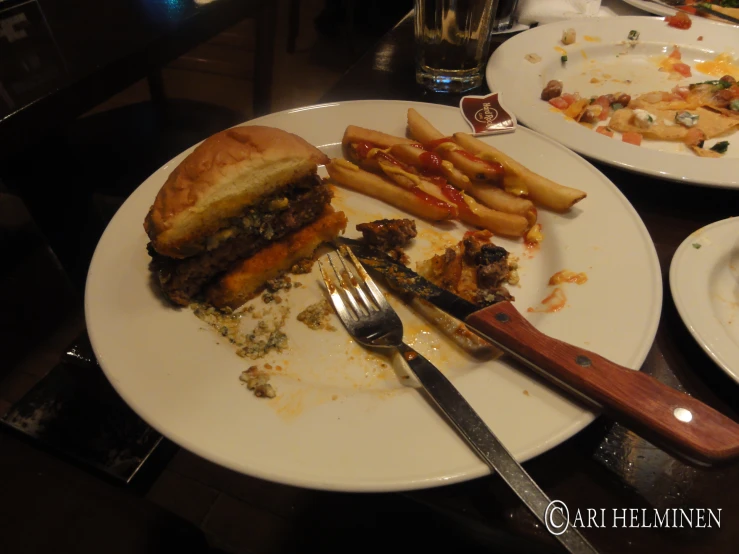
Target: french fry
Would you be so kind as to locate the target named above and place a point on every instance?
(475, 169)
(502, 201)
(408, 181)
(354, 134)
(351, 176)
(414, 156)
(500, 223)
(489, 195)
(541, 190)
(473, 213)
(421, 129)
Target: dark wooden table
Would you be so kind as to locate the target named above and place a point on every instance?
(605, 466)
(60, 59)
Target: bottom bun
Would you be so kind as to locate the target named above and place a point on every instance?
(248, 278)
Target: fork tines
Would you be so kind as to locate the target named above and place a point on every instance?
(350, 275)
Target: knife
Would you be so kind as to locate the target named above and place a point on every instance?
(663, 415)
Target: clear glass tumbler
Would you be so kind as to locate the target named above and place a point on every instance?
(452, 38)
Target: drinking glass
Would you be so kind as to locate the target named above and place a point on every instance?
(452, 39)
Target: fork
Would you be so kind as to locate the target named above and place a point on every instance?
(372, 321)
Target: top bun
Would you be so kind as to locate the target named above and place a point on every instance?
(224, 174)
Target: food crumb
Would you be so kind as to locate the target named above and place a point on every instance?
(258, 382)
(297, 284)
(700, 37)
(303, 266)
(526, 393)
(697, 245)
(279, 283)
(268, 366)
(316, 316)
(335, 397)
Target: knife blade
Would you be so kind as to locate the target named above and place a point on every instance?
(664, 415)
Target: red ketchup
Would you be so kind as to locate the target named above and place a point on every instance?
(362, 149)
(430, 161)
(434, 143)
(429, 199)
(456, 197)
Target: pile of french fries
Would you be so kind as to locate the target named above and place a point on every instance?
(439, 178)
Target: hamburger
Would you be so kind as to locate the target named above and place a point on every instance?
(244, 206)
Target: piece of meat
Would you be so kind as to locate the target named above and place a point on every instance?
(475, 269)
(552, 90)
(181, 280)
(622, 99)
(389, 235)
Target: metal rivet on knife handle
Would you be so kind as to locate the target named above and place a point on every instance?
(503, 318)
(583, 361)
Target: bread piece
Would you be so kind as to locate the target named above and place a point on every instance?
(243, 282)
(226, 173)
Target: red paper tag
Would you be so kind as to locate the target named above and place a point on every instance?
(486, 115)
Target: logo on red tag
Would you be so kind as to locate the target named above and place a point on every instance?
(486, 115)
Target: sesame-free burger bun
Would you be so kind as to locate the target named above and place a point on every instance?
(225, 174)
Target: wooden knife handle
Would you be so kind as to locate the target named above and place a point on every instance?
(659, 412)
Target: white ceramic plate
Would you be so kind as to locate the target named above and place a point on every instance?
(516, 28)
(704, 279)
(651, 7)
(658, 9)
(605, 54)
(342, 421)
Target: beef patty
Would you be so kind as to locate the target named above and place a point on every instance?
(277, 215)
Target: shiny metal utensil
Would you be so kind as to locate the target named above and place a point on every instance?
(369, 318)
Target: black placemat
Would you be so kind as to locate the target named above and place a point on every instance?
(75, 411)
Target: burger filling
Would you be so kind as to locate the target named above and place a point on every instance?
(289, 209)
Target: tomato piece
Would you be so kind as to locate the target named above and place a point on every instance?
(680, 20)
(569, 98)
(683, 69)
(605, 114)
(694, 137)
(675, 54)
(630, 137)
(603, 130)
(603, 101)
(559, 103)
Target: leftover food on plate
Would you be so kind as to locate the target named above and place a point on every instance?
(690, 114)
(246, 207)
(439, 178)
(241, 193)
(389, 235)
(474, 269)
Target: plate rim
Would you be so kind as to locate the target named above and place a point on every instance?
(649, 7)
(405, 484)
(686, 312)
(658, 161)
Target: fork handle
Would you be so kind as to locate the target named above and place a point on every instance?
(487, 446)
(655, 410)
